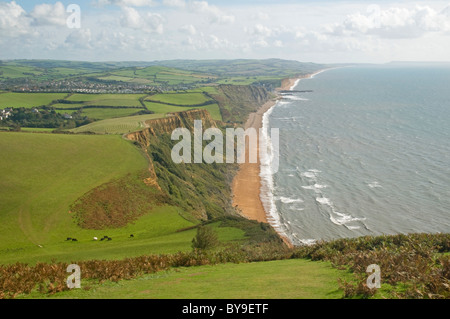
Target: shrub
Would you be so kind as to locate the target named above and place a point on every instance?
(206, 238)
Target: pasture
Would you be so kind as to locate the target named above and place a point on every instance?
(113, 100)
(182, 99)
(28, 100)
(117, 125)
(44, 174)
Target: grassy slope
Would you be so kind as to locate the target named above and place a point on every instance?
(287, 279)
(43, 174)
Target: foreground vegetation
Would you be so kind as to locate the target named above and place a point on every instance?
(412, 266)
(287, 279)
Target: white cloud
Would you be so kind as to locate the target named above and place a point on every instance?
(146, 22)
(214, 13)
(262, 30)
(189, 29)
(79, 39)
(175, 3)
(13, 20)
(132, 3)
(393, 22)
(47, 14)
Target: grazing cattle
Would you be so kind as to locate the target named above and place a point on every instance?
(68, 238)
(95, 238)
(109, 238)
(102, 239)
(131, 236)
(74, 239)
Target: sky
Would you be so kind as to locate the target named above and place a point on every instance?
(320, 31)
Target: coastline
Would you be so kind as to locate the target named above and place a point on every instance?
(246, 185)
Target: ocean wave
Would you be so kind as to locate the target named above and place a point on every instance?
(287, 200)
(266, 174)
(315, 187)
(294, 98)
(308, 242)
(374, 185)
(324, 201)
(309, 175)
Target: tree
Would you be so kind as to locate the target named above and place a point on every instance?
(206, 238)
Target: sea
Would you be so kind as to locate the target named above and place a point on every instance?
(365, 151)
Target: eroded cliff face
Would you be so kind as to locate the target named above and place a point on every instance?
(236, 102)
(167, 125)
(202, 190)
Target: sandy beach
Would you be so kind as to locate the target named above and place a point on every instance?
(247, 182)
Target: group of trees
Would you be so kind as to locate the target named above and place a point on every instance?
(44, 118)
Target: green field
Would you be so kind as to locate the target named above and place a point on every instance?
(28, 100)
(186, 99)
(109, 113)
(118, 125)
(130, 100)
(156, 75)
(15, 71)
(285, 279)
(45, 173)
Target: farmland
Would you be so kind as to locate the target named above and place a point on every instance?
(185, 99)
(117, 125)
(28, 100)
(113, 100)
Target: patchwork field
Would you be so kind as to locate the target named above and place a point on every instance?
(28, 100)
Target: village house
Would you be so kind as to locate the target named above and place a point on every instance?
(5, 113)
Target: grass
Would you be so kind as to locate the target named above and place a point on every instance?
(214, 111)
(37, 129)
(107, 113)
(163, 109)
(43, 174)
(118, 125)
(14, 72)
(28, 100)
(112, 100)
(287, 279)
(186, 99)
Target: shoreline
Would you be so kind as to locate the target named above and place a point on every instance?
(247, 184)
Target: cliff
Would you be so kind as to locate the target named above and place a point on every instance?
(203, 191)
(236, 102)
(157, 127)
